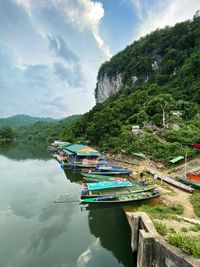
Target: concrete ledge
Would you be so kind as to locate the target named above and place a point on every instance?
(152, 250)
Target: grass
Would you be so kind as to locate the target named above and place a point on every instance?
(162, 211)
(195, 199)
(188, 244)
(194, 228)
(161, 228)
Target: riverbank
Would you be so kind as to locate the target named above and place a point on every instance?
(176, 213)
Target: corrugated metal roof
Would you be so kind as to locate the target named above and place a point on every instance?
(88, 154)
(176, 159)
(139, 154)
(75, 147)
(69, 153)
(64, 144)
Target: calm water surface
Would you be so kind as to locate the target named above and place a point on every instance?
(37, 232)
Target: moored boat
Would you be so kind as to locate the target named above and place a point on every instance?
(122, 198)
(94, 177)
(169, 180)
(135, 188)
(189, 182)
(110, 172)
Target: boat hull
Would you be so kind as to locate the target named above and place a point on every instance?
(122, 198)
(124, 190)
(189, 182)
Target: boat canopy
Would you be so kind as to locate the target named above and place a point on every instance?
(176, 159)
(110, 184)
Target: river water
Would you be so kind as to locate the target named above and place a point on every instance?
(37, 232)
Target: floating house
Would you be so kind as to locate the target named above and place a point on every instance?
(79, 152)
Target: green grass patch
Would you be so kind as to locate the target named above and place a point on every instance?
(188, 244)
(184, 229)
(162, 211)
(161, 228)
(195, 199)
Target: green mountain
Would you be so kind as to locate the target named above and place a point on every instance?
(153, 83)
(46, 131)
(21, 120)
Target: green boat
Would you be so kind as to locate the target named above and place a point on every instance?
(188, 182)
(96, 178)
(122, 198)
(135, 188)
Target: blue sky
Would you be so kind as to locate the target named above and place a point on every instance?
(51, 50)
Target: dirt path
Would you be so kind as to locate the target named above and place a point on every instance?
(182, 198)
(173, 195)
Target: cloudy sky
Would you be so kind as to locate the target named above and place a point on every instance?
(50, 50)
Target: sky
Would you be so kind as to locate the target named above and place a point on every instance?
(51, 50)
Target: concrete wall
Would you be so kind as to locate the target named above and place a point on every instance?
(151, 249)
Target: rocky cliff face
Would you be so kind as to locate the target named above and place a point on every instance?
(107, 86)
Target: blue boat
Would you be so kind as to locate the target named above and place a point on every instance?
(108, 184)
(113, 169)
(110, 172)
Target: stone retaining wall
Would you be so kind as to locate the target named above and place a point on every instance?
(152, 250)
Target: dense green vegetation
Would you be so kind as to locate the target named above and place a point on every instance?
(46, 131)
(17, 121)
(164, 101)
(7, 134)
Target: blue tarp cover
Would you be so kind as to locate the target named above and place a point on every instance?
(111, 184)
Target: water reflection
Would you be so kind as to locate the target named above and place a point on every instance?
(109, 224)
(35, 231)
(25, 150)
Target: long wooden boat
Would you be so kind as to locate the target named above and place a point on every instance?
(101, 177)
(110, 172)
(188, 182)
(108, 178)
(122, 198)
(194, 177)
(112, 169)
(170, 181)
(121, 190)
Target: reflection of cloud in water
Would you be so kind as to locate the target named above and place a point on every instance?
(41, 242)
(86, 256)
(26, 186)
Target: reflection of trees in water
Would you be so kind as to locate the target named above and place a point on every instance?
(25, 150)
(111, 226)
(73, 174)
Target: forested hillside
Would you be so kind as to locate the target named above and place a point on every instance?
(164, 101)
(46, 131)
(21, 120)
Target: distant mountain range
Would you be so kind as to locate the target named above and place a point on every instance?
(22, 120)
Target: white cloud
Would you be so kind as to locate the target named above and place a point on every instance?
(138, 6)
(167, 13)
(83, 15)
